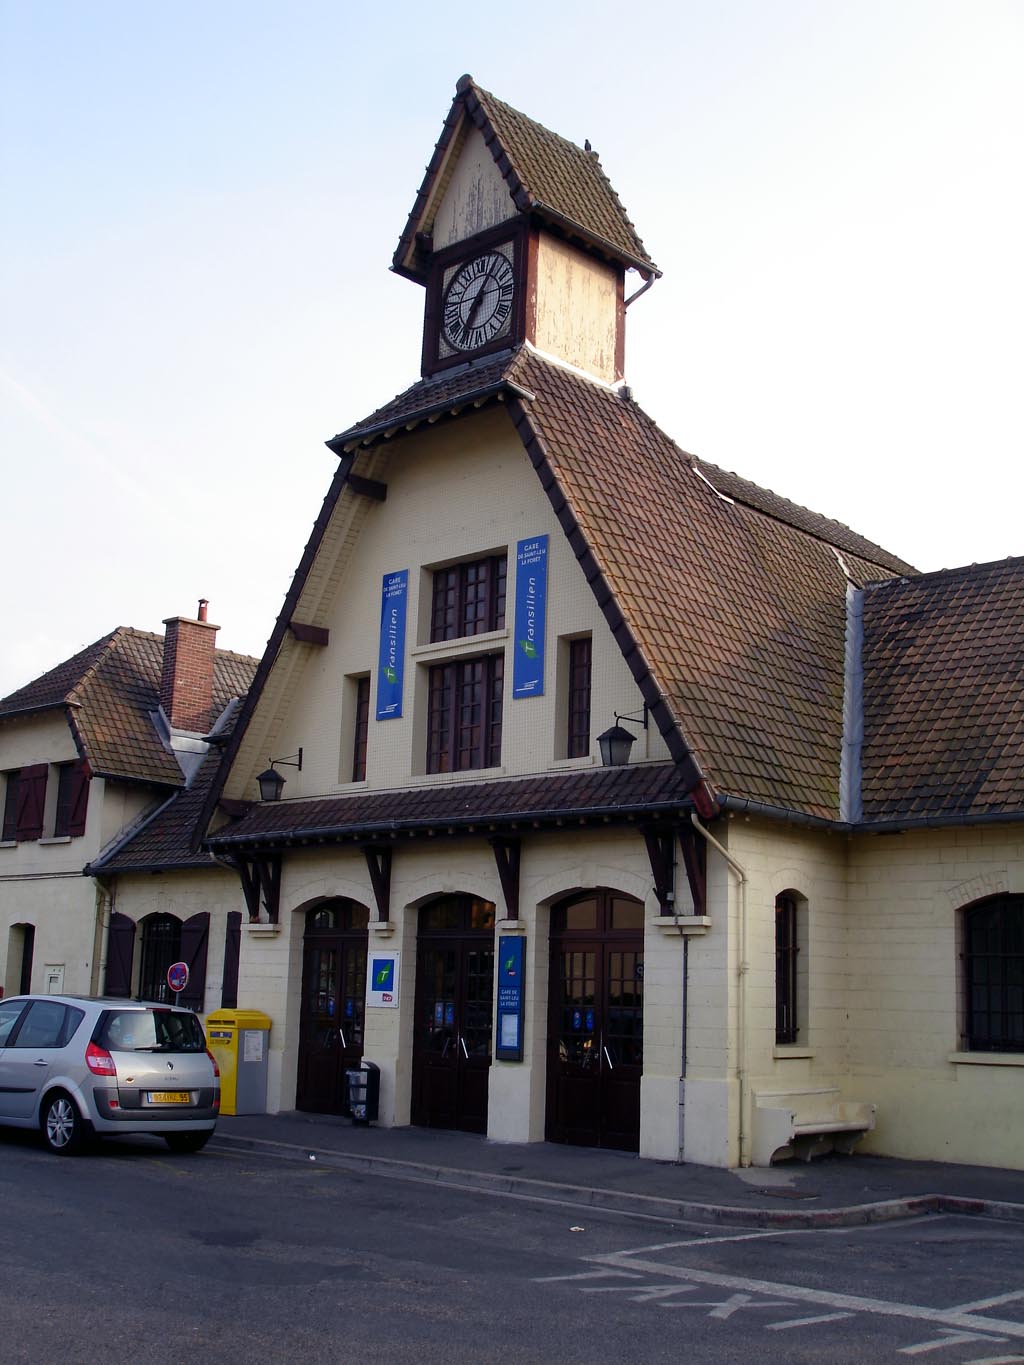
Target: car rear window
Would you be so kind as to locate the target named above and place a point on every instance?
(150, 1031)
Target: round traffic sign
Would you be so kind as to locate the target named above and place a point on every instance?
(177, 976)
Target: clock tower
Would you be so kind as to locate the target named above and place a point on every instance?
(518, 236)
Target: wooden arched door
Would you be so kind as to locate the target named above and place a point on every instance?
(454, 1011)
(333, 1004)
(596, 1021)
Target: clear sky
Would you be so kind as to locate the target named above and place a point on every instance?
(201, 202)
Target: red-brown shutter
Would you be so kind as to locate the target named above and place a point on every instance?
(79, 803)
(195, 935)
(232, 952)
(120, 952)
(31, 801)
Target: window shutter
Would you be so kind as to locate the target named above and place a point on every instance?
(232, 952)
(31, 801)
(72, 799)
(195, 936)
(120, 952)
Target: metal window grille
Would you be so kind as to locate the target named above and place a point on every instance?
(786, 950)
(161, 947)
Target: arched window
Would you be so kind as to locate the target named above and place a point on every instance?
(993, 956)
(790, 968)
(161, 946)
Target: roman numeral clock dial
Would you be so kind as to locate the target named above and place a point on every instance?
(478, 302)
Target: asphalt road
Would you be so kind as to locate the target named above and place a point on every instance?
(133, 1254)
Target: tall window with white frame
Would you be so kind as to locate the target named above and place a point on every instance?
(787, 1024)
(360, 728)
(993, 975)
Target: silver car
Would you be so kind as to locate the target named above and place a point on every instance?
(74, 1066)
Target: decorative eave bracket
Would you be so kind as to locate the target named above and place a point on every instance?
(506, 855)
(261, 884)
(378, 864)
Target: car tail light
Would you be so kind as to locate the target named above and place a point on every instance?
(213, 1059)
(99, 1061)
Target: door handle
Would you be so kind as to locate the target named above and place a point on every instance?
(465, 1049)
(341, 1035)
(41, 1062)
(611, 1064)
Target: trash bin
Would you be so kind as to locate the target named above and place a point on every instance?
(363, 1092)
(238, 1041)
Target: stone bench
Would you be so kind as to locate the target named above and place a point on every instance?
(806, 1123)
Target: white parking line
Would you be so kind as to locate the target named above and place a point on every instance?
(948, 1317)
(806, 1322)
(944, 1339)
(989, 1303)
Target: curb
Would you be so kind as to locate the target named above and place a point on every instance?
(653, 1206)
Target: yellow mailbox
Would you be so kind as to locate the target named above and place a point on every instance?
(238, 1040)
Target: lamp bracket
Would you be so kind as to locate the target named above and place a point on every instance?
(634, 718)
(295, 761)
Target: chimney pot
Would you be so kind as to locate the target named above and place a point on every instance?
(204, 602)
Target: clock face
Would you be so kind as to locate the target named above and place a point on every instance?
(478, 302)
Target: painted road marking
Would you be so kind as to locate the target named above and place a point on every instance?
(806, 1322)
(989, 1303)
(947, 1317)
(945, 1338)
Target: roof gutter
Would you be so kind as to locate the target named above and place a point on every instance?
(741, 805)
(458, 825)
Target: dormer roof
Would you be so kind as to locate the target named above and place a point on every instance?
(548, 177)
(110, 691)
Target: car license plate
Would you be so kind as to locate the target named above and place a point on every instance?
(170, 1097)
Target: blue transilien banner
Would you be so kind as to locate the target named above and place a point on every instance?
(531, 607)
(391, 660)
(509, 1042)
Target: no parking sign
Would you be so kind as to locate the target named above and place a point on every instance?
(177, 976)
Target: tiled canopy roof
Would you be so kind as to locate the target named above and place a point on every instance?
(545, 173)
(453, 807)
(944, 694)
(111, 688)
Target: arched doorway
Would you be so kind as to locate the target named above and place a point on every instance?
(333, 1004)
(596, 1021)
(454, 1012)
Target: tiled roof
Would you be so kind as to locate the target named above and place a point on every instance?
(823, 528)
(164, 840)
(441, 393)
(738, 612)
(545, 173)
(943, 660)
(589, 793)
(112, 687)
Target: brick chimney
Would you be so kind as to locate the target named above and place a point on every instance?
(186, 684)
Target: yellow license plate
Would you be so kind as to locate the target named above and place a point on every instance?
(170, 1097)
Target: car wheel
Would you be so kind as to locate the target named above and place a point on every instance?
(187, 1142)
(63, 1126)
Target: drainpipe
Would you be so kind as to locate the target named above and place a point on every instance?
(741, 971)
(101, 938)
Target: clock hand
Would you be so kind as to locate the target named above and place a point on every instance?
(477, 301)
